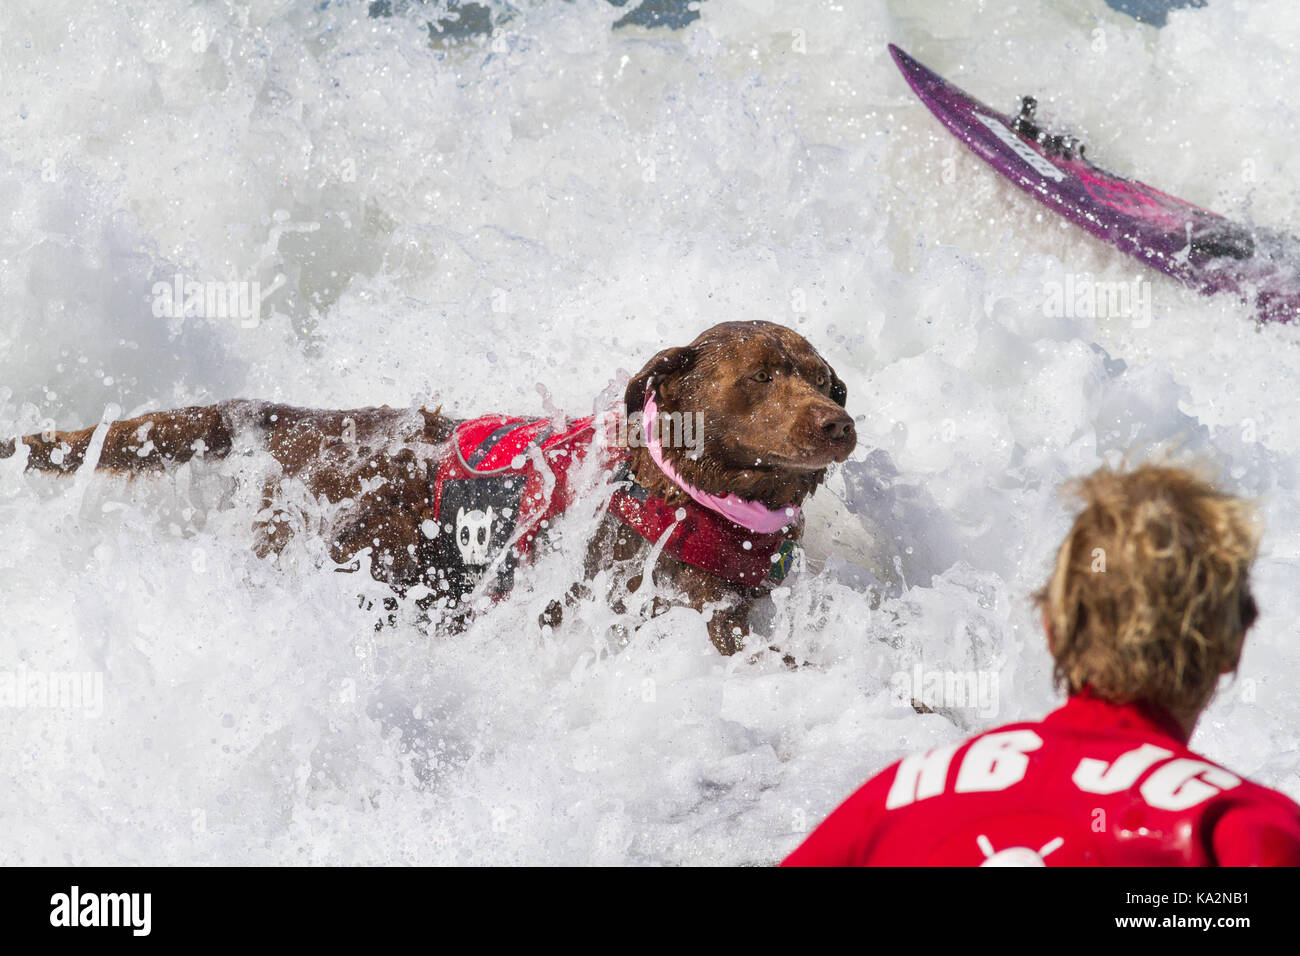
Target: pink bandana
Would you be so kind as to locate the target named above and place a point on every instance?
(754, 515)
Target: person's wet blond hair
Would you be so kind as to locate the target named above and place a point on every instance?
(1150, 598)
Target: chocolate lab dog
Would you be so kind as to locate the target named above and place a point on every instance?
(450, 507)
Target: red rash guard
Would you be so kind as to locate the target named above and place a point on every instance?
(1093, 784)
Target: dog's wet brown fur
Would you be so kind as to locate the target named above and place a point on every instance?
(773, 417)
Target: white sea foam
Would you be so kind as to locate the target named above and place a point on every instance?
(515, 225)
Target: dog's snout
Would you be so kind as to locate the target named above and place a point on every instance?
(835, 424)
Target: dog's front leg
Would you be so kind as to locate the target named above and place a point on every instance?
(553, 614)
(728, 627)
(728, 605)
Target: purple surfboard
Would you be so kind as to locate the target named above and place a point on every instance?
(1195, 246)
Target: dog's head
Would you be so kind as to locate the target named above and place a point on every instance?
(771, 410)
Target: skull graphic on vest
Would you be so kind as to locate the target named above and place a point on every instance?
(476, 519)
(473, 535)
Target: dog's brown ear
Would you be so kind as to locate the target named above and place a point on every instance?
(839, 391)
(668, 362)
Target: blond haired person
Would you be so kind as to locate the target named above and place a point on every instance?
(1148, 605)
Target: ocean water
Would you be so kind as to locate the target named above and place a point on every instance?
(516, 222)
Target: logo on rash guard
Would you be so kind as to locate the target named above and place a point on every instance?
(1184, 783)
(1097, 776)
(1000, 760)
(1016, 855)
(992, 762)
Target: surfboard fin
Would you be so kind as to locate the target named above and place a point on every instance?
(1025, 124)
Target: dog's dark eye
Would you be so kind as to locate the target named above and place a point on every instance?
(821, 381)
(762, 377)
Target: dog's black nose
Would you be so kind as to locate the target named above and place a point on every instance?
(835, 424)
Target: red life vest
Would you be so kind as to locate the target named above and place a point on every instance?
(1092, 784)
(504, 479)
